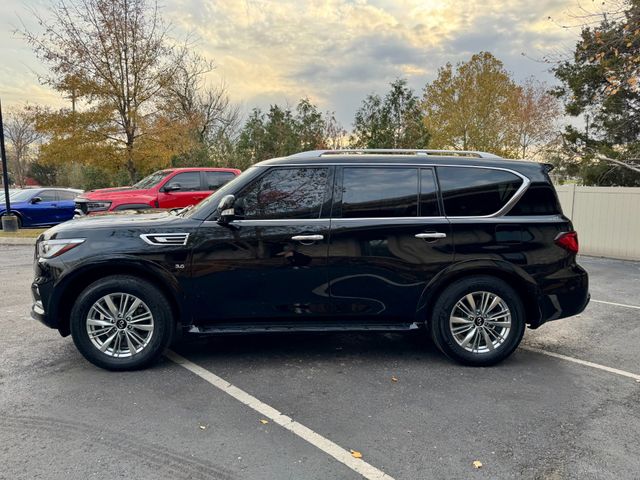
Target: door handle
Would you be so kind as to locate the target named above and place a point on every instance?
(307, 238)
(431, 235)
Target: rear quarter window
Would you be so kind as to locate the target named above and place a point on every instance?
(476, 191)
(539, 199)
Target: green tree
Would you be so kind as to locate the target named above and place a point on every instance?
(281, 131)
(602, 82)
(394, 121)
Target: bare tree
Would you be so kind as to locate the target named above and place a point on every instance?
(22, 141)
(536, 116)
(189, 95)
(109, 53)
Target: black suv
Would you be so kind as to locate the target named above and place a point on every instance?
(466, 246)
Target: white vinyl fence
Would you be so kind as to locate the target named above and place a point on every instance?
(607, 219)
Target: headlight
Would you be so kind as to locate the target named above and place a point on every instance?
(97, 206)
(54, 248)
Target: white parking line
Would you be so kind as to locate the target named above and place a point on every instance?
(623, 373)
(616, 304)
(327, 446)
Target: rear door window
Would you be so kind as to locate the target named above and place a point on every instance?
(374, 192)
(428, 194)
(476, 191)
(66, 195)
(214, 180)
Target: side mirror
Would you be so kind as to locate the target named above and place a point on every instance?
(226, 211)
(172, 187)
(35, 200)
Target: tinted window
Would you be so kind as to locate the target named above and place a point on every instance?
(284, 193)
(214, 180)
(428, 194)
(539, 199)
(475, 191)
(64, 195)
(188, 181)
(48, 196)
(379, 192)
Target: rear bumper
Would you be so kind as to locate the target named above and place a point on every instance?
(564, 295)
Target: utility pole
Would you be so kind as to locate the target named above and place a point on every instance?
(9, 221)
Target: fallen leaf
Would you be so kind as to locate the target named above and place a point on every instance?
(394, 379)
(356, 454)
(263, 421)
(477, 464)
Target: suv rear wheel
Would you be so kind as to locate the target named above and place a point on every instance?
(121, 323)
(478, 320)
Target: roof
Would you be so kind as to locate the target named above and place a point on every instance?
(406, 156)
(200, 169)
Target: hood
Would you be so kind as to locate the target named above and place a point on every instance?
(115, 193)
(120, 222)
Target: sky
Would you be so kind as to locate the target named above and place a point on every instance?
(334, 52)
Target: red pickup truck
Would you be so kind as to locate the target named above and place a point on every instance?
(170, 188)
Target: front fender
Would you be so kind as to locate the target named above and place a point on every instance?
(71, 283)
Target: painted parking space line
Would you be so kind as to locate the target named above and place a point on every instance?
(616, 304)
(327, 446)
(585, 363)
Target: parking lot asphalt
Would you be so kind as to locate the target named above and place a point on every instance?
(411, 412)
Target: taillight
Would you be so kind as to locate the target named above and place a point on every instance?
(568, 241)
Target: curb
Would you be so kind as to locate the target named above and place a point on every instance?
(17, 241)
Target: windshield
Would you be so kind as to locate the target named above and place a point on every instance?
(12, 192)
(152, 180)
(215, 198)
(20, 195)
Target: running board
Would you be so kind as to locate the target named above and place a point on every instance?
(301, 327)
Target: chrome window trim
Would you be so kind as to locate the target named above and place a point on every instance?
(503, 211)
(271, 221)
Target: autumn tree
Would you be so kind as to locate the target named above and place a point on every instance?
(601, 83)
(536, 115)
(394, 121)
(113, 59)
(22, 140)
(473, 107)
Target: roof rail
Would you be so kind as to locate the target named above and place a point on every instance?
(393, 151)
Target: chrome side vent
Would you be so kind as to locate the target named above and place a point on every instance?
(164, 239)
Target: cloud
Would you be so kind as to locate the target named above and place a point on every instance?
(334, 51)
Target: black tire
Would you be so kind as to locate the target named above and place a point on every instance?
(440, 327)
(153, 298)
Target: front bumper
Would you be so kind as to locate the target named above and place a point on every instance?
(38, 310)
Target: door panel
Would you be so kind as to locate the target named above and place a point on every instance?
(378, 267)
(270, 264)
(191, 191)
(379, 259)
(254, 271)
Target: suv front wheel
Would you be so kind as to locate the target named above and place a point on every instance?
(121, 323)
(478, 320)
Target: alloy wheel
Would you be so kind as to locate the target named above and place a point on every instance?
(480, 322)
(120, 325)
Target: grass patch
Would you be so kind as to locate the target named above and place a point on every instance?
(23, 233)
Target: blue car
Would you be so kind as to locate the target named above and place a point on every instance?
(41, 207)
